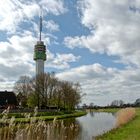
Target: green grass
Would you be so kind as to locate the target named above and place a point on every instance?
(22, 115)
(109, 110)
(129, 131)
(47, 118)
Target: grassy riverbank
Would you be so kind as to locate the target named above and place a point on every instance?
(47, 118)
(109, 110)
(35, 113)
(129, 131)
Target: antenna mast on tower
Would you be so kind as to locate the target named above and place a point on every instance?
(40, 25)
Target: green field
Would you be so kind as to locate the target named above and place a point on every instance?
(129, 131)
(44, 116)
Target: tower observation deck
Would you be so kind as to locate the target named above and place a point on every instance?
(40, 53)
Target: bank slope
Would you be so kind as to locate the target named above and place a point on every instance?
(129, 131)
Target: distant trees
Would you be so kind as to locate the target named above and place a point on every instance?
(117, 103)
(91, 105)
(137, 102)
(46, 90)
(120, 103)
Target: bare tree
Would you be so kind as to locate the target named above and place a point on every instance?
(23, 85)
(22, 88)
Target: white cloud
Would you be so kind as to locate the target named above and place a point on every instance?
(6, 85)
(114, 29)
(16, 57)
(103, 85)
(61, 61)
(31, 10)
(87, 72)
(55, 7)
(73, 42)
(51, 26)
(12, 13)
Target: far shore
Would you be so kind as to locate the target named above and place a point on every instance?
(44, 118)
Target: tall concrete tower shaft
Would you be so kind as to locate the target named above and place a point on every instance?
(40, 53)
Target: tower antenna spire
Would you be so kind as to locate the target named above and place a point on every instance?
(40, 24)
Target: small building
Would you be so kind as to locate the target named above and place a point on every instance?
(7, 99)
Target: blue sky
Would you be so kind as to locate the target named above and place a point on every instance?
(93, 42)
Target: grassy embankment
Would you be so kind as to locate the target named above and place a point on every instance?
(109, 110)
(47, 118)
(44, 116)
(128, 131)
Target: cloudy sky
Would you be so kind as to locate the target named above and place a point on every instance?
(93, 42)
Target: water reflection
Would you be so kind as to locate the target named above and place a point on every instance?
(91, 113)
(94, 124)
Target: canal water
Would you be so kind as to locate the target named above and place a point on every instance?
(94, 124)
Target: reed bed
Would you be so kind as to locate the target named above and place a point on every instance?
(123, 116)
(37, 130)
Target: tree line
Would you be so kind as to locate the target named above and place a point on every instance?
(114, 104)
(45, 90)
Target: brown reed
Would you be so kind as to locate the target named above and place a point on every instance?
(125, 115)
